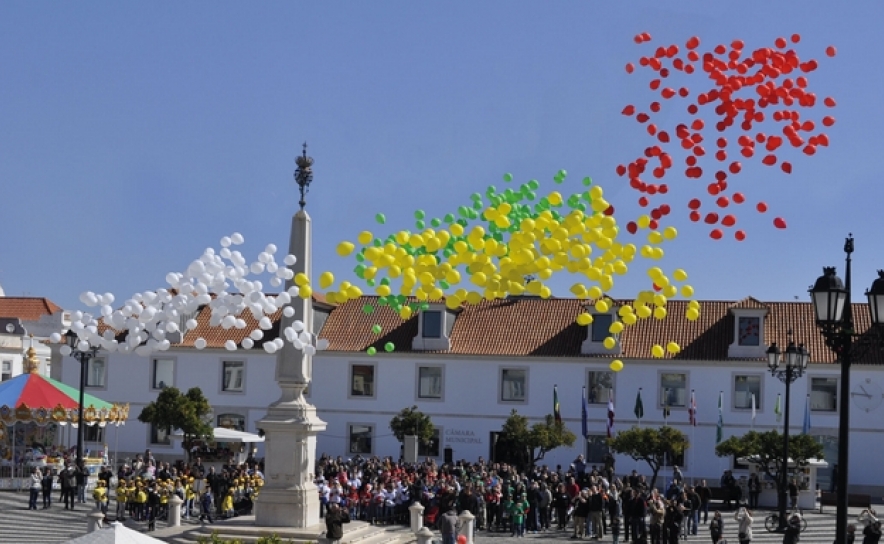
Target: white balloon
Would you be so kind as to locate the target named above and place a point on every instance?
(247, 343)
(172, 279)
(256, 334)
(55, 338)
(270, 347)
(280, 343)
(240, 323)
(297, 344)
(199, 343)
(230, 345)
(275, 282)
(265, 323)
(272, 267)
(264, 257)
(65, 350)
(225, 252)
(237, 238)
(309, 350)
(192, 324)
(322, 343)
(225, 241)
(298, 325)
(288, 311)
(171, 327)
(82, 345)
(271, 248)
(289, 260)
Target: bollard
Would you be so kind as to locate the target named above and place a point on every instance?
(95, 520)
(424, 536)
(467, 520)
(417, 516)
(175, 503)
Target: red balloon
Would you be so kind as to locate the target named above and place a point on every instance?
(716, 234)
(631, 227)
(723, 202)
(831, 51)
(628, 110)
(735, 167)
(761, 207)
(694, 203)
(779, 223)
(629, 68)
(828, 120)
(695, 216)
(609, 210)
(740, 235)
(739, 198)
(657, 287)
(780, 42)
(729, 221)
(829, 102)
(787, 167)
(796, 38)
(461, 539)
(711, 218)
(769, 160)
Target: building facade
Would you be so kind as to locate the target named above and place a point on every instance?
(468, 369)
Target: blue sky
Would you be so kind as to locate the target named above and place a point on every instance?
(137, 134)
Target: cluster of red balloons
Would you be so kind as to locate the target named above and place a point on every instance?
(747, 89)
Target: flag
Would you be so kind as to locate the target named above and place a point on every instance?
(639, 409)
(720, 429)
(665, 405)
(557, 412)
(753, 408)
(583, 416)
(611, 414)
(692, 411)
(806, 429)
(778, 410)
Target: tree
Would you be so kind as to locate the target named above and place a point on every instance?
(530, 444)
(187, 412)
(766, 450)
(411, 421)
(651, 445)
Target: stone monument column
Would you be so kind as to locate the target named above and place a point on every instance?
(289, 498)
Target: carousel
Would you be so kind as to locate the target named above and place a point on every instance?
(34, 412)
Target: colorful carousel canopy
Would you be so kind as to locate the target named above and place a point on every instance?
(31, 397)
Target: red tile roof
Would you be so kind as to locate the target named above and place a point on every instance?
(750, 303)
(535, 327)
(27, 308)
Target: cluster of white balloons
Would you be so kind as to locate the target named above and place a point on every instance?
(152, 320)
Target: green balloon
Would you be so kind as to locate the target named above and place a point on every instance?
(449, 218)
(368, 309)
(534, 184)
(581, 206)
(376, 329)
(476, 196)
(389, 346)
(444, 284)
(359, 270)
(359, 258)
(562, 173)
(530, 195)
(419, 214)
(587, 181)
(377, 242)
(385, 281)
(380, 218)
(425, 306)
(371, 350)
(477, 205)
(490, 190)
(507, 177)
(435, 222)
(419, 224)
(369, 283)
(463, 211)
(447, 252)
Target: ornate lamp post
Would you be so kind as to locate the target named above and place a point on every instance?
(834, 317)
(83, 356)
(794, 364)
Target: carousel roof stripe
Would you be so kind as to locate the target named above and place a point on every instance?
(37, 391)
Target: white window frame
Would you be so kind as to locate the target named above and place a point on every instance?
(734, 393)
(153, 372)
(242, 387)
(501, 384)
(419, 395)
(89, 373)
(371, 443)
(6, 370)
(760, 324)
(815, 399)
(590, 347)
(736, 350)
(603, 399)
(153, 431)
(421, 342)
(351, 383)
(661, 389)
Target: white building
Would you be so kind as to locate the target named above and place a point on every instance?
(23, 321)
(468, 369)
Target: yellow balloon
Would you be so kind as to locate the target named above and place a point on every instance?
(326, 279)
(305, 291)
(365, 237)
(643, 312)
(616, 327)
(679, 274)
(345, 248)
(687, 291)
(405, 312)
(383, 290)
(609, 343)
(301, 279)
(584, 319)
(660, 313)
(657, 351)
(692, 314)
(673, 348)
(555, 198)
(630, 319)
(616, 365)
(601, 306)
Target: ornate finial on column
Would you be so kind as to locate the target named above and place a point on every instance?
(304, 175)
(32, 365)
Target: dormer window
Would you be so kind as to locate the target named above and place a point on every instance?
(749, 342)
(431, 324)
(434, 329)
(598, 331)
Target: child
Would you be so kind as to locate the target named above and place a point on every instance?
(189, 496)
(227, 504)
(615, 529)
(517, 516)
(206, 504)
(100, 496)
(121, 500)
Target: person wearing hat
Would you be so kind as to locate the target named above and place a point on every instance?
(227, 505)
(122, 493)
(99, 494)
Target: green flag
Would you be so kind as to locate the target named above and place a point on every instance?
(719, 430)
(639, 409)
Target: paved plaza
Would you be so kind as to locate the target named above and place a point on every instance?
(18, 524)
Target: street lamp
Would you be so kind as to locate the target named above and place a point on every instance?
(84, 355)
(834, 317)
(795, 363)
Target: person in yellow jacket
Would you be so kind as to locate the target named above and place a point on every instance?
(227, 504)
(189, 497)
(140, 501)
(122, 492)
(100, 496)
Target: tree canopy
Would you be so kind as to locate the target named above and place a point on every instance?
(411, 421)
(536, 441)
(188, 412)
(651, 445)
(766, 450)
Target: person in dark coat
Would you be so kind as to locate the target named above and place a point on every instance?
(46, 483)
(872, 533)
(793, 530)
(716, 527)
(335, 519)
